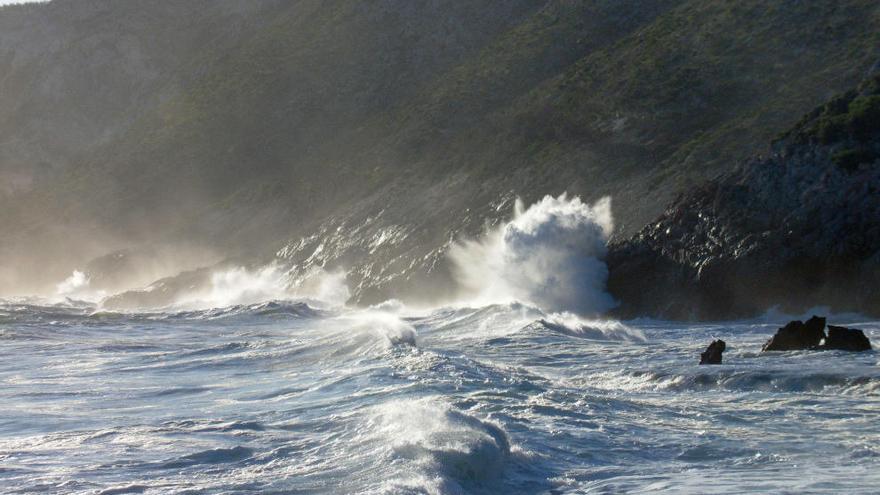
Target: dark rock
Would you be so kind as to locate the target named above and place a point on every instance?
(796, 229)
(161, 293)
(846, 339)
(712, 354)
(797, 336)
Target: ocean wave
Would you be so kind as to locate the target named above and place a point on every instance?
(788, 381)
(210, 456)
(272, 309)
(384, 327)
(217, 426)
(73, 312)
(571, 325)
(445, 448)
(125, 489)
(477, 316)
(504, 398)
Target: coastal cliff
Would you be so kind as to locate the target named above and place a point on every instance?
(798, 228)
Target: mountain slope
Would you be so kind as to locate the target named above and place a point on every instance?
(427, 118)
(799, 228)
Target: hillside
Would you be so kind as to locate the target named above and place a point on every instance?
(336, 123)
(78, 75)
(798, 228)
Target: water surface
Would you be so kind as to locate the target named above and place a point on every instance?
(284, 398)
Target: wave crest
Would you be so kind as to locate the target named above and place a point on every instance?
(453, 449)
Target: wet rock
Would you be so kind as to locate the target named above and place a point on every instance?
(797, 336)
(846, 339)
(712, 354)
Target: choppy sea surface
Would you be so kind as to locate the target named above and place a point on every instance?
(281, 397)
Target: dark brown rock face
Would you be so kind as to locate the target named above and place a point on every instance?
(846, 339)
(797, 228)
(797, 336)
(712, 354)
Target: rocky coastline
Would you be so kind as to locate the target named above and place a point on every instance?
(796, 229)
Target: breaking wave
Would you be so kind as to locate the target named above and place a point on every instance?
(572, 325)
(281, 397)
(443, 449)
(550, 254)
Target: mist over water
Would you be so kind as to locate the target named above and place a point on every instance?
(73, 285)
(261, 380)
(550, 254)
(243, 286)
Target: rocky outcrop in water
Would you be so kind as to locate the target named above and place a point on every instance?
(799, 228)
(713, 353)
(161, 293)
(801, 336)
(797, 335)
(846, 339)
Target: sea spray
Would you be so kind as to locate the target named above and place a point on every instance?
(238, 285)
(241, 286)
(77, 281)
(550, 254)
(77, 287)
(326, 287)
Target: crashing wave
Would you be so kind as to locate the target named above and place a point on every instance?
(446, 449)
(550, 254)
(572, 325)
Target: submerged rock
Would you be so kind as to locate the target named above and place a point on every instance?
(846, 339)
(797, 336)
(712, 354)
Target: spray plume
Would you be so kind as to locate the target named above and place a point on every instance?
(550, 254)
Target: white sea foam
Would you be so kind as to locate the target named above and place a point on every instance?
(493, 400)
(443, 449)
(386, 326)
(571, 324)
(550, 254)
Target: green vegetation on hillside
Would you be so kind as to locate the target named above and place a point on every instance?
(273, 120)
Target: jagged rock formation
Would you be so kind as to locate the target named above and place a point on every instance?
(846, 339)
(801, 336)
(797, 336)
(713, 353)
(798, 228)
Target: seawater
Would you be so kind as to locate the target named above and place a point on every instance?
(280, 397)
